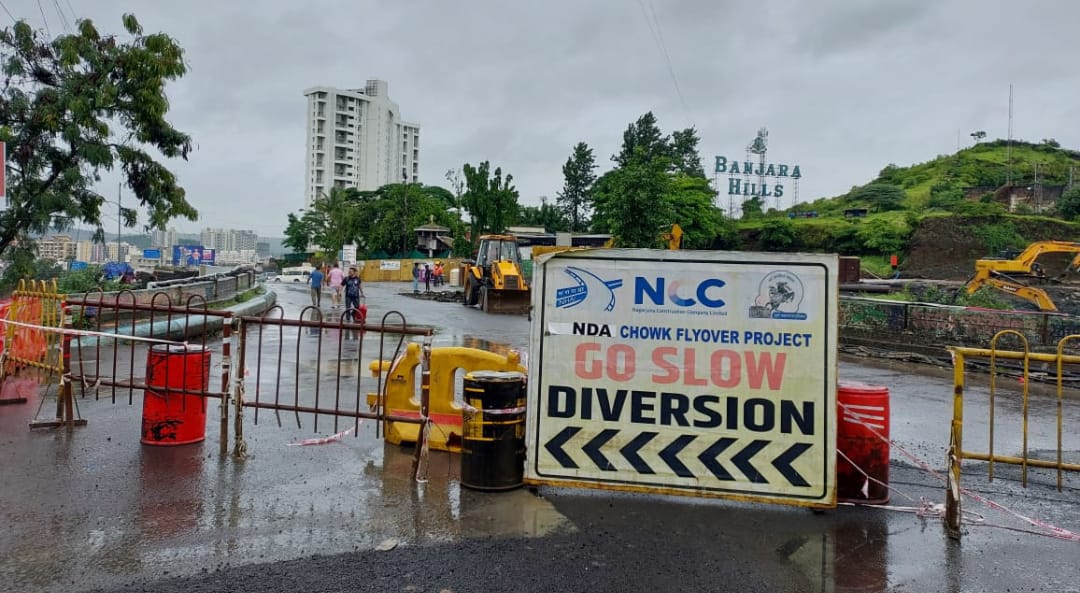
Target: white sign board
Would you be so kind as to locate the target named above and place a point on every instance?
(389, 264)
(702, 373)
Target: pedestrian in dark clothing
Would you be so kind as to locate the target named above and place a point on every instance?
(353, 292)
(427, 277)
(416, 277)
(316, 281)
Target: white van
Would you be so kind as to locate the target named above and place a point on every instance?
(294, 275)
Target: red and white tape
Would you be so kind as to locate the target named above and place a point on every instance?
(1050, 530)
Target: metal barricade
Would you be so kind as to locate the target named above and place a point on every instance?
(957, 451)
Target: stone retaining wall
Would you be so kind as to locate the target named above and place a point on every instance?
(929, 325)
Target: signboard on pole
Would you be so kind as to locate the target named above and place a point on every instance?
(699, 373)
(151, 254)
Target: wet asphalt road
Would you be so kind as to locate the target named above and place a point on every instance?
(94, 510)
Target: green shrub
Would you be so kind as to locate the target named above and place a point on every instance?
(998, 236)
(777, 234)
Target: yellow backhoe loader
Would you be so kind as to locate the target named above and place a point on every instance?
(495, 280)
(1005, 274)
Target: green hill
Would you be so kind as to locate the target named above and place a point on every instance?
(942, 182)
(938, 216)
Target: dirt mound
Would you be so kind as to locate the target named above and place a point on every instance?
(442, 296)
(946, 248)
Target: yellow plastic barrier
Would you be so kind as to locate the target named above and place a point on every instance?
(403, 393)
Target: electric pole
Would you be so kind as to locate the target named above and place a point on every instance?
(119, 217)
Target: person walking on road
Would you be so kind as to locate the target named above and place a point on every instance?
(335, 278)
(416, 277)
(316, 280)
(427, 277)
(353, 292)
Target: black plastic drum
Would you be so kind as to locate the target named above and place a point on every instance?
(493, 426)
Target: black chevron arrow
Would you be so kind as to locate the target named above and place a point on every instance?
(592, 449)
(708, 457)
(630, 452)
(555, 446)
(670, 455)
(742, 460)
(783, 464)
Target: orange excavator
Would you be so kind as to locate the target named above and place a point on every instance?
(1014, 275)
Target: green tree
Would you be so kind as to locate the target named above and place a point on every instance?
(23, 263)
(633, 201)
(881, 196)
(546, 215)
(492, 202)
(945, 196)
(388, 216)
(298, 232)
(334, 218)
(579, 175)
(879, 235)
(684, 153)
(691, 201)
(78, 104)
(1068, 205)
(643, 135)
(753, 208)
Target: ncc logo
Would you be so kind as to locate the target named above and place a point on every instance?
(660, 291)
(577, 294)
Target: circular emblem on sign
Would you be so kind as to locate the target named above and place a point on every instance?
(780, 296)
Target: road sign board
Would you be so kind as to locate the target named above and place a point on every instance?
(703, 373)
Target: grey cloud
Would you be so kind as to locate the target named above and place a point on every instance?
(844, 87)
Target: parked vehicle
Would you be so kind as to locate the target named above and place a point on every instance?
(294, 275)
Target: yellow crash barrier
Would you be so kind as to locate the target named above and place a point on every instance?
(403, 390)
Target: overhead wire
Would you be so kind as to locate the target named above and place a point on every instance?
(44, 19)
(63, 17)
(653, 23)
(4, 6)
(667, 60)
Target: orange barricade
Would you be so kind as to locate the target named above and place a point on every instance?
(34, 309)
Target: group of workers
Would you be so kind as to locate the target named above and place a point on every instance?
(427, 275)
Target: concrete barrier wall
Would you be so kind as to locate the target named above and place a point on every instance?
(929, 325)
(214, 289)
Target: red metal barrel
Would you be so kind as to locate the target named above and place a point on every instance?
(175, 418)
(863, 411)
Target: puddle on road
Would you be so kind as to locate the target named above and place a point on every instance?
(181, 509)
(848, 556)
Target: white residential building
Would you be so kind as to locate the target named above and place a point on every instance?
(228, 239)
(356, 138)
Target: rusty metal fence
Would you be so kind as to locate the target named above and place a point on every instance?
(290, 368)
(1056, 365)
(313, 366)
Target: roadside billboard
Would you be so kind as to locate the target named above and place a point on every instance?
(699, 373)
(151, 253)
(192, 255)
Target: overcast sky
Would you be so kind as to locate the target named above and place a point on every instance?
(844, 87)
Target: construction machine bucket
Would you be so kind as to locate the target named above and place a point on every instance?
(505, 301)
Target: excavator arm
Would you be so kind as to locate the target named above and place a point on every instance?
(1036, 296)
(1022, 264)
